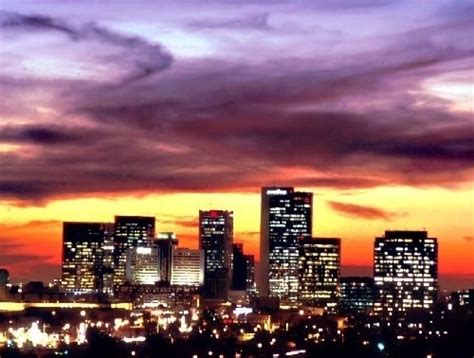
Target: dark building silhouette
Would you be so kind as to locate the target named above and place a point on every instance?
(239, 268)
(130, 232)
(82, 257)
(405, 273)
(250, 277)
(286, 216)
(108, 258)
(165, 243)
(215, 239)
(319, 271)
(357, 294)
(4, 277)
(4, 281)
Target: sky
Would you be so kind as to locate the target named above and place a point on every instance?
(164, 108)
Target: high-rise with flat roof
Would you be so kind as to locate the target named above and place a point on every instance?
(357, 294)
(250, 284)
(319, 271)
(108, 258)
(82, 257)
(188, 267)
(405, 273)
(142, 265)
(216, 229)
(239, 268)
(286, 216)
(130, 232)
(165, 243)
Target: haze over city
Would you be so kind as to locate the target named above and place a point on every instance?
(163, 109)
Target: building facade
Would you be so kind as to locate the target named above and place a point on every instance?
(239, 268)
(142, 265)
(165, 243)
(130, 232)
(250, 284)
(188, 267)
(319, 271)
(82, 257)
(405, 273)
(286, 216)
(108, 258)
(357, 294)
(216, 229)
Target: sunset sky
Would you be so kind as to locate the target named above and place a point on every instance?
(164, 108)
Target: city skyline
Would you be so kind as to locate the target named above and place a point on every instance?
(170, 108)
(347, 270)
(213, 214)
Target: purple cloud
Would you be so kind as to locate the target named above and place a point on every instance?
(207, 124)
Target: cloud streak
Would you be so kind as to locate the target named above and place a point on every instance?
(361, 211)
(147, 58)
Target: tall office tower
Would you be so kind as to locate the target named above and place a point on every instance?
(239, 268)
(130, 231)
(108, 258)
(188, 267)
(142, 265)
(357, 294)
(319, 271)
(165, 243)
(250, 275)
(286, 216)
(215, 239)
(405, 273)
(82, 258)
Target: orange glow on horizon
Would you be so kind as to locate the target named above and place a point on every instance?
(31, 230)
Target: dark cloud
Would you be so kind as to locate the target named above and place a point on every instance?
(215, 126)
(146, 57)
(181, 221)
(468, 238)
(10, 20)
(39, 135)
(192, 223)
(36, 224)
(9, 245)
(361, 211)
(13, 259)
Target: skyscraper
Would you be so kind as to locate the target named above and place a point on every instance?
(239, 268)
(188, 267)
(215, 239)
(250, 275)
(130, 231)
(286, 216)
(82, 257)
(108, 258)
(165, 243)
(319, 271)
(405, 273)
(357, 294)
